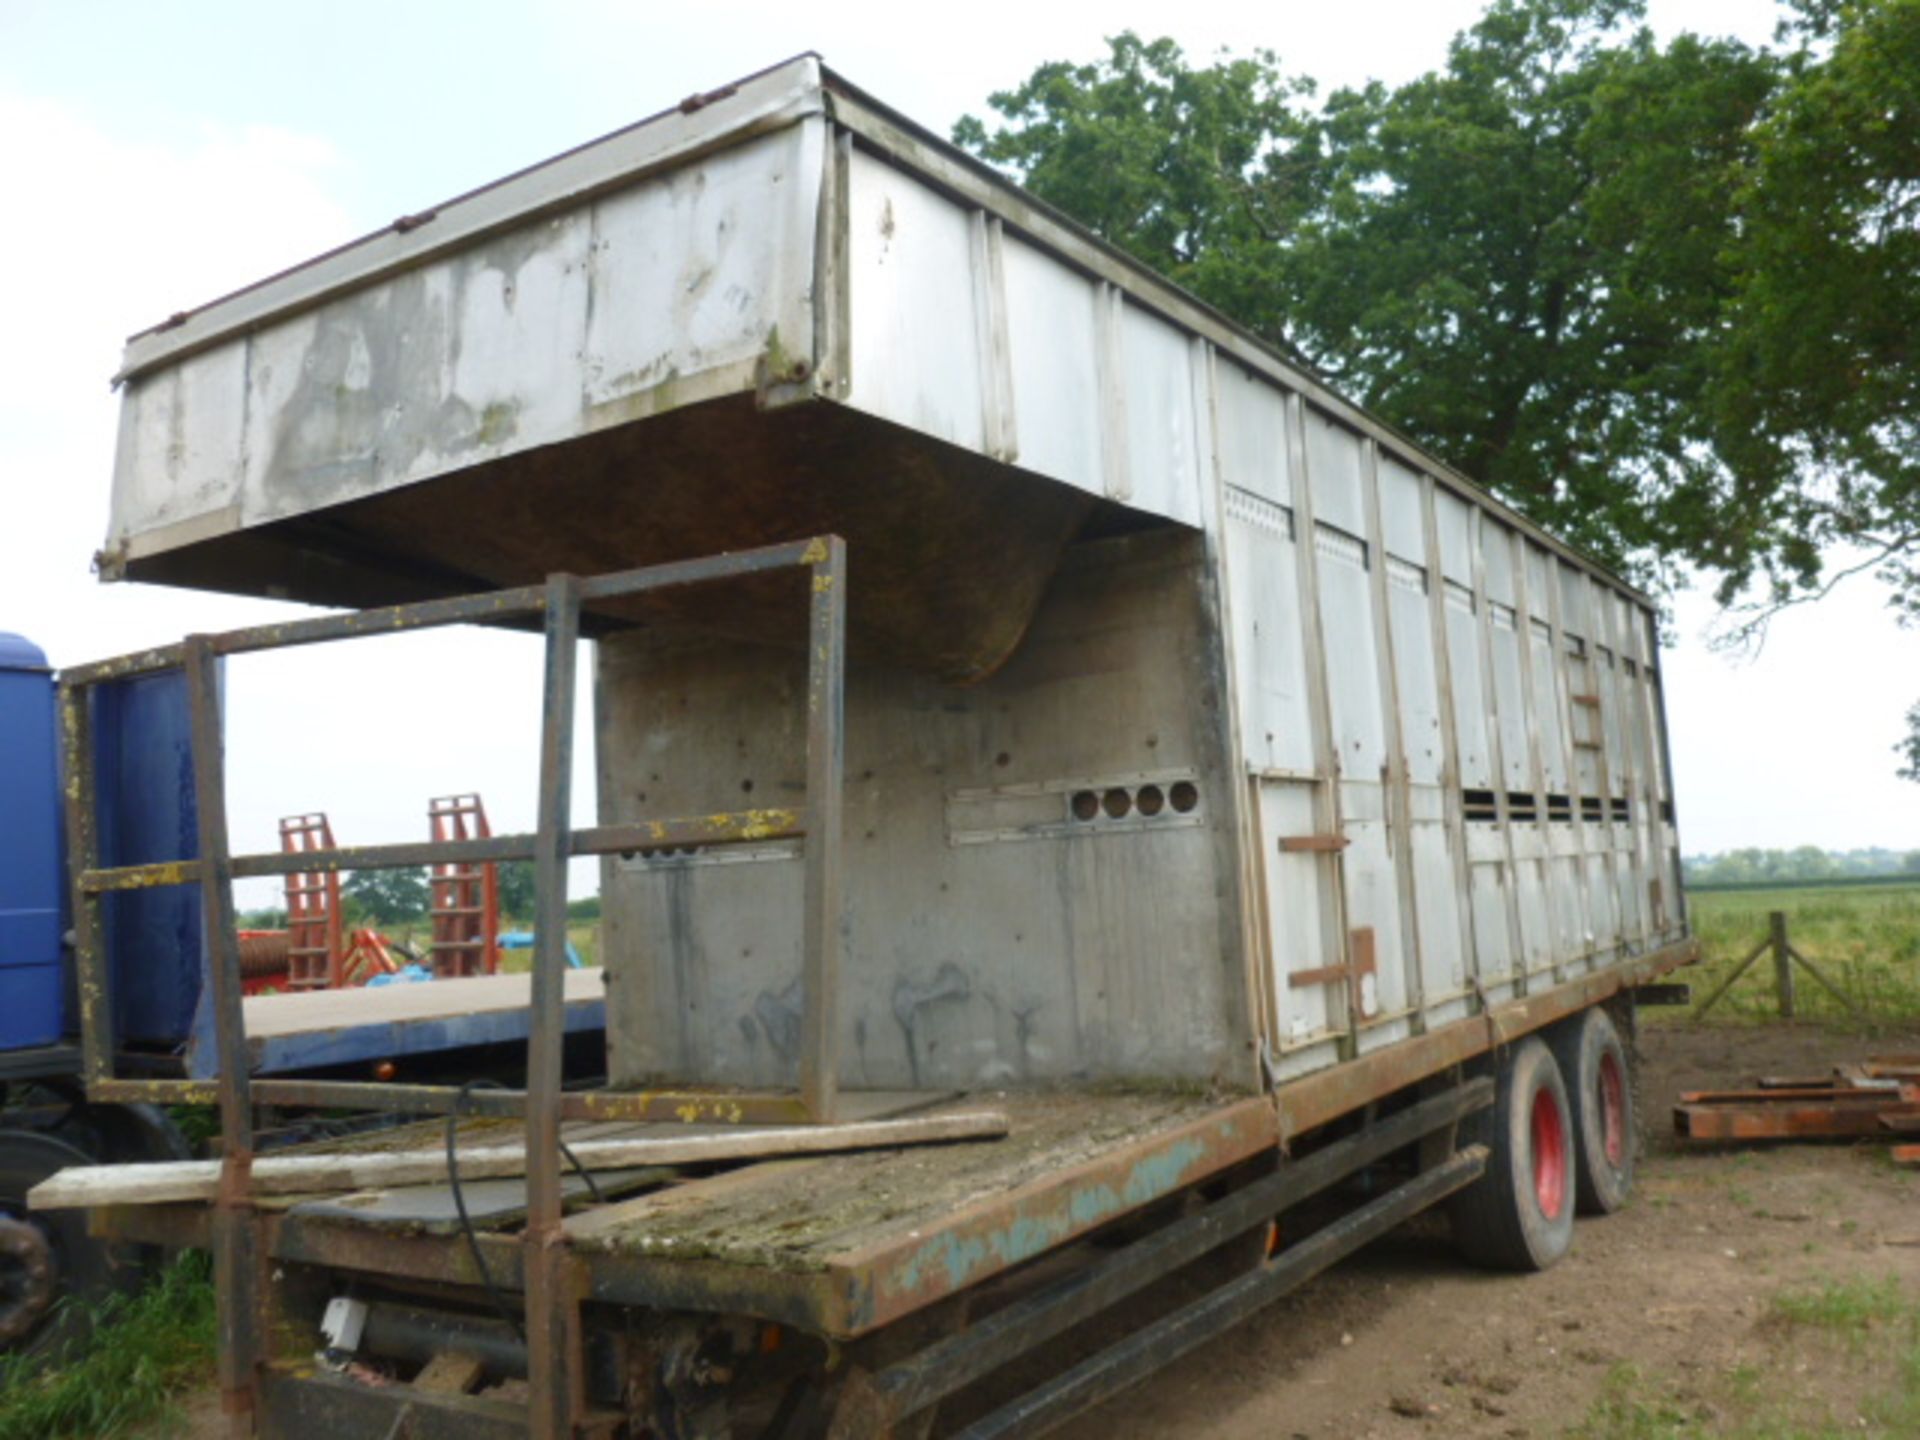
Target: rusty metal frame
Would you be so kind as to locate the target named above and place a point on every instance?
(554, 1285)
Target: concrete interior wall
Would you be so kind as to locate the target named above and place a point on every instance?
(1011, 914)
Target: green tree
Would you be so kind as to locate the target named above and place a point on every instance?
(387, 897)
(1818, 385)
(1514, 258)
(517, 889)
(1663, 298)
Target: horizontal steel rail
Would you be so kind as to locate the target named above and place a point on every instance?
(734, 827)
(488, 606)
(956, 1362)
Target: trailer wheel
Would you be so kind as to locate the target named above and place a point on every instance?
(1519, 1214)
(1594, 1062)
(45, 1256)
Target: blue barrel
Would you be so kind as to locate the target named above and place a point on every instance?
(32, 886)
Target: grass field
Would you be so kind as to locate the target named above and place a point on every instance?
(1864, 938)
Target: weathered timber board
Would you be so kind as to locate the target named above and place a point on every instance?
(312, 1173)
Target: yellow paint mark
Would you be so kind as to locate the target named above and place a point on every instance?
(822, 583)
(689, 1113)
(815, 552)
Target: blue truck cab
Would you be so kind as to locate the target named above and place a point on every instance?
(32, 879)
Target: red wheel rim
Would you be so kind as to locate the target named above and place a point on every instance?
(1613, 1111)
(1549, 1154)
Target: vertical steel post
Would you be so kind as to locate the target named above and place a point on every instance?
(83, 854)
(236, 1278)
(1782, 961)
(826, 715)
(553, 1368)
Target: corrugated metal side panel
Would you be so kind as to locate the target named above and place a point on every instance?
(1461, 728)
(672, 290)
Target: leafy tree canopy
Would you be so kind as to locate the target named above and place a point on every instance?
(387, 897)
(1663, 298)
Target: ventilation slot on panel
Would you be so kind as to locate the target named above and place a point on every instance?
(1591, 810)
(1622, 809)
(1147, 802)
(1459, 597)
(1406, 575)
(1523, 805)
(1481, 805)
(1505, 617)
(1259, 512)
(1338, 545)
(1559, 809)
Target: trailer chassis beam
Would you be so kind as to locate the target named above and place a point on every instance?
(1121, 1365)
(950, 1365)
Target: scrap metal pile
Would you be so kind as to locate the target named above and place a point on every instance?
(1873, 1099)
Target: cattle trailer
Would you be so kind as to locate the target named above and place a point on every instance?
(1011, 679)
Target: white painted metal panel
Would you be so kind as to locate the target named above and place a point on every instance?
(1162, 444)
(916, 353)
(1303, 913)
(1052, 330)
(1353, 678)
(1415, 679)
(1373, 902)
(1333, 469)
(1510, 708)
(179, 437)
(655, 295)
(1470, 720)
(1437, 906)
(1275, 724)
(702, 268)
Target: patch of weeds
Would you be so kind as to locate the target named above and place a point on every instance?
(1631, 1408)
(1849, 1308)
(197, 1124)
(143, 1350)
(1898, 1410)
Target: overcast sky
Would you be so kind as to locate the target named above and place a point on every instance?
(158, 155)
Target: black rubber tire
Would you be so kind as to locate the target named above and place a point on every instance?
(87, 1270)
(1594, 1062)
(1515, 1217)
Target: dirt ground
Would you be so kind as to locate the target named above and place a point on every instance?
(1675, 1317)
(1666, 1319)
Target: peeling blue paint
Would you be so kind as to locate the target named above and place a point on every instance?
(1161, 1174)
(1026, 1236)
